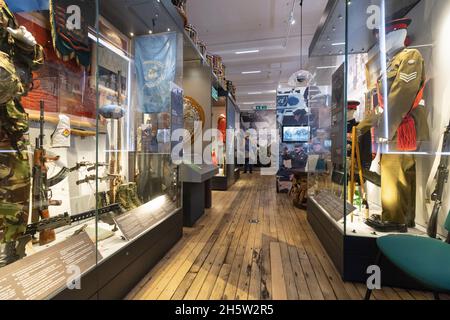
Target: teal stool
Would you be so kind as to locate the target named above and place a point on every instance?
(425, 259)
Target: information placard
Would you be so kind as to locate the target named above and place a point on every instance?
(40, 275)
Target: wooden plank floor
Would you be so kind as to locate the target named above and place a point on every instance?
(226, 256)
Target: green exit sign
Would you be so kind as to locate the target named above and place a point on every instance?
(261, 108)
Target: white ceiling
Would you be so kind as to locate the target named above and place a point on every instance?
(227, 26)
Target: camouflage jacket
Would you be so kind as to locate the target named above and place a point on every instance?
(17, 61)
(30, 57)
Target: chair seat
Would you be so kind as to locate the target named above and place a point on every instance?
(425, 259)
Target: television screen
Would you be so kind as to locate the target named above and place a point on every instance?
(296, 134)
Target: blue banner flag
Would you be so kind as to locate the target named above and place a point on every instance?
(156, 58)
(27, 5)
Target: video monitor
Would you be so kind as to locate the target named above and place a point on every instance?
(296, 134)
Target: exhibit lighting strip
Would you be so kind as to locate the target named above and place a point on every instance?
(130, 139)
(109, 46)
(422, 46)
(252, 72)
(246, 51)
(383, 57)
(408, 152)
(326, 67)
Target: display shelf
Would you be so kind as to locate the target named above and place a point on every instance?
(110, 245)
(358, 228)
(192, 52)
(352, 253)
(116, 276)
(329, 39)
(197, 173)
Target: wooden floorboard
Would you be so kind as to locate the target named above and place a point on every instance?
(253, 244)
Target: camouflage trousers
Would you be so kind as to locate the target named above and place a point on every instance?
(15, 184)
(15, 172)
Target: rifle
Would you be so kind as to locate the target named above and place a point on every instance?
(95, 166)
(88, 179)
(64, 220)
(442, 179)
(41, 194)
(115, 161)
(60, 176)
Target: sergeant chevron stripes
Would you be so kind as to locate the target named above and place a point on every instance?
(408, 77)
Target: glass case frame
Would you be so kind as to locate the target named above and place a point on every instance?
(380, 45)
(91, 139)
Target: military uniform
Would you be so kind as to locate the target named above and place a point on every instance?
(17, 61)
(405, 128)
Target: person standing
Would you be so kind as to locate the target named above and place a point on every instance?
(250, 154)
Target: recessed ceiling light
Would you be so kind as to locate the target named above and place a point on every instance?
(168, 29)
(247, 51)
(131, 34)
(327, 67)
(251, 72)
(150, 31)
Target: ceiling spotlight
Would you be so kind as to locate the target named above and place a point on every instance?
(168, 29)
(251, 72)
(247, 51)
(150, 31)
(326, 67)
(131, 34)
(293, 21)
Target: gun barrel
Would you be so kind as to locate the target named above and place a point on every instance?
(55, 203)
(42, 122)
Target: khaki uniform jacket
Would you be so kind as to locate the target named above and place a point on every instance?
(405, 78)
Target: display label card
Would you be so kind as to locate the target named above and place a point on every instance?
(333, 205)
(40, 275)
(139, 220)
(129, 225)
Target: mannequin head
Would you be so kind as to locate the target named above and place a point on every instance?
(350, 114)
(352, 107)
(395, 40)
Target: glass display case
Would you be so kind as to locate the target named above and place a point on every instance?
(388, 131)
(90, 199)
(225, 116)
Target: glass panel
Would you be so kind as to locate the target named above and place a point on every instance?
(140, 103)
(87, 120)
(220, 122)
(48, 138)
(320, 116)
(396, 70)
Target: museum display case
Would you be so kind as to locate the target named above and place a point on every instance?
(90, 197)
(383, 61)
(225, 116)
(304, 125)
